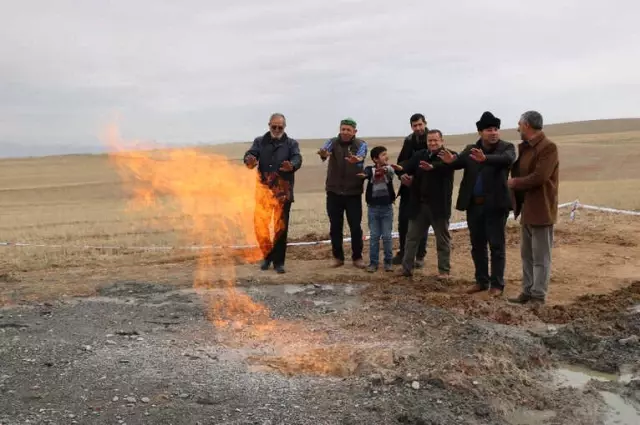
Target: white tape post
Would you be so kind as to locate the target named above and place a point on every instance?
(453, 226)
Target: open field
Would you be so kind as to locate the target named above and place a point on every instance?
(342, 346)
(81, 200)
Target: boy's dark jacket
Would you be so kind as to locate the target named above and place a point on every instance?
(433, 187)
(368, 172)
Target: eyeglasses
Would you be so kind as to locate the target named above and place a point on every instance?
(276, 127)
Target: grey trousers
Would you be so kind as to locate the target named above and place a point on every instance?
(535, 250)
(418, 226)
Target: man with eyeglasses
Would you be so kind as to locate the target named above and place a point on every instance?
(277, 157)
(344, 187)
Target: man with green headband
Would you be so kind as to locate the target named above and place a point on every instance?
(344, 187)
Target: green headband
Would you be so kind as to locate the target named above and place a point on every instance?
(349, 121)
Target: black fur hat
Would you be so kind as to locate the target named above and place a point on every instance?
(487, 120)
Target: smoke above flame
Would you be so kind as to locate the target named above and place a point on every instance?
(209, 200)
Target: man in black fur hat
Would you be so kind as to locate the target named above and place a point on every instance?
(485, 196)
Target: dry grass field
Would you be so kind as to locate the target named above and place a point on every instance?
(77, 200)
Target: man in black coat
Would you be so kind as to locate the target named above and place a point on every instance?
(485, 196)
(413, 143)
(430, 203)
(278, 158)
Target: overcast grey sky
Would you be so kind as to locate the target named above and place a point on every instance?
(194, 71)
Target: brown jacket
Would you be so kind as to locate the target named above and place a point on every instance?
(535, 176)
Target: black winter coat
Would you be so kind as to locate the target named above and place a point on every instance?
(433, 187)
(495, 173)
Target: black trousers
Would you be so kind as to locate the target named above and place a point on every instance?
(403, 229)
(487, 226)
(337, 206)
(276, 249)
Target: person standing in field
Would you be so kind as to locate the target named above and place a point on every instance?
(277, 157)
(380, 196)
(430, 204)
(485, 197)
(535, 184)
(414, 142)
(346, 154)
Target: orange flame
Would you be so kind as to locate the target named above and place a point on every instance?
(211, 202)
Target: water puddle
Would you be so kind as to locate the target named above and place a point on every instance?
(620, 411)
(294, 289)
(317, 289)
(529, 417)
(578, 376)
(323, 297)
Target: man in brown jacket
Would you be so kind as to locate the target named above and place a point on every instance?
(535, 186)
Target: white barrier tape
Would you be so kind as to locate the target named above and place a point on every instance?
(566, 204)
(607, 209)
(453, 226)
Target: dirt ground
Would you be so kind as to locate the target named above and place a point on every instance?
(335, 346)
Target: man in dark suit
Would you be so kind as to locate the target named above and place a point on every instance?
(277, 157)
(413, 143)
(485, 196)
(430, 203)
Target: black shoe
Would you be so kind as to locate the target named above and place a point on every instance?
(280, 269)
(265, 265)
(521, 299)
(397, 260)
(419, 264)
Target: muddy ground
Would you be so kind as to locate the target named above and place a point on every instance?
(330, 346)
(335, 354)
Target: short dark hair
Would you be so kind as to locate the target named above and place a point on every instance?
(375, 152)
(417, 117)
(435, 131)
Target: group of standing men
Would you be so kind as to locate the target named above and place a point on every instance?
(495, 182)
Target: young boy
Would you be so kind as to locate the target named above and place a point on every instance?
(380, 197)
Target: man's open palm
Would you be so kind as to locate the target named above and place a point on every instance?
(352, 159)
(251, 161)
(478, 155)
(446, 156)
(424, 165)
(286, 166)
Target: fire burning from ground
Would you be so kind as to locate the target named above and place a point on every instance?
(210, 201)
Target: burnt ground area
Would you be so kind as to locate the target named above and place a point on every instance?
(145, 353)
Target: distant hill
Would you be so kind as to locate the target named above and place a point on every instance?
(620, 125)
(14, 150)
